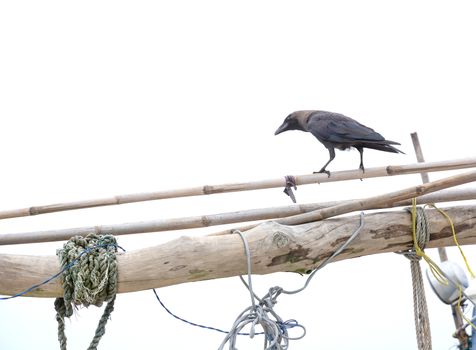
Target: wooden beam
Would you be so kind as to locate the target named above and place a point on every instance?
(274, 247)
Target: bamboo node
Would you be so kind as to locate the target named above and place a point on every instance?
(391, 170)
(420, 189)
(206, 221)
(207, 189)
(34, 211)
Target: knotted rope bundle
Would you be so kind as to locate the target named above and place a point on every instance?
(262, 312)
(89, 278)
(420, 308)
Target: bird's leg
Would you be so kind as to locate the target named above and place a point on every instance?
(332, 155)
(361, 166)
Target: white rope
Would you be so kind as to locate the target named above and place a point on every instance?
(274, 328)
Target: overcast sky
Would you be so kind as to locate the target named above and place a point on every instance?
(99, 98)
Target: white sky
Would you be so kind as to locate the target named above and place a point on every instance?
(99, 98)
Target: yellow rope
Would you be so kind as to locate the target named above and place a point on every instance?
(434, 268)
(459, 308)
(442, 212)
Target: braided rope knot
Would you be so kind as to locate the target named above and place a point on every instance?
(422, 234)
(421, 238)
(89, 278)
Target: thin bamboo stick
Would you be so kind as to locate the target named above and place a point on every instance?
(419, 155)
(425, 179)
(216, 219)
(243, 186)
(384, 200)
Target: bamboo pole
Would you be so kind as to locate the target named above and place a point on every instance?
(425, 179)
(419, 155)
(284, 213)
(390, 170)
(420, 306)
(274, 248)
(384, 200)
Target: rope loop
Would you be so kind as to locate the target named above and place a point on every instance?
(421, 233)
(261, 311)
(89, 278)
(421, 236)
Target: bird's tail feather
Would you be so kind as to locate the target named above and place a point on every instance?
(383, 147)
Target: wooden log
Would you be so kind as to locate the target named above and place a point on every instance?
(390, 170)
(274, 247)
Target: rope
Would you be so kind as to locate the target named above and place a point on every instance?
(330, 258)
(89, 278)
(262, 313)
(453, 231)
(288, 189)
(421, 236)
(275, 329)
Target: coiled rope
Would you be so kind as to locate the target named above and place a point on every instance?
(91, 279)
(420, 308)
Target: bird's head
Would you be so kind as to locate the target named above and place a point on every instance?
(294, 121)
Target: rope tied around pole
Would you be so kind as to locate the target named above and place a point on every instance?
(421, 238)
(89, 278)
(422, 228)
(290, 184)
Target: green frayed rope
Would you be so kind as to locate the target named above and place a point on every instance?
(91, 279)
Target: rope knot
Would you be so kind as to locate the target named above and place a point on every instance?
(422, 234)
(270, 299)
(284, 326)
(89, 278)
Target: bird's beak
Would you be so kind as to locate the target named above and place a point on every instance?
(282, 128)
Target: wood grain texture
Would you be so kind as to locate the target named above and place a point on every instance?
(274, 247)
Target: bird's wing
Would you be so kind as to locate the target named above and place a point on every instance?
(339, 129)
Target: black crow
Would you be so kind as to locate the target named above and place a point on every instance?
(335, 130)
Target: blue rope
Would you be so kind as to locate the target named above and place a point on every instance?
(283, 325)
(192, 323)
(67, 267)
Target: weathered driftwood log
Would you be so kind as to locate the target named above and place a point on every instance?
(274, 247)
